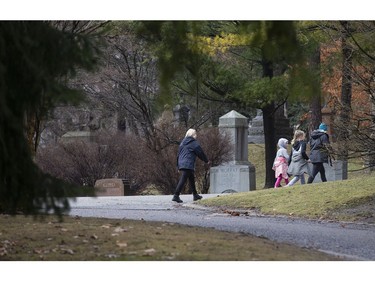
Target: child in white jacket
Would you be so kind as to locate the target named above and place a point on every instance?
(280, 165)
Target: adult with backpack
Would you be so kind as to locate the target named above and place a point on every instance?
(319, 152)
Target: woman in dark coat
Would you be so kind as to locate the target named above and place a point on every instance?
(188, 151)
(319, 144)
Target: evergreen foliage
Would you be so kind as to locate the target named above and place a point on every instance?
(35, 60)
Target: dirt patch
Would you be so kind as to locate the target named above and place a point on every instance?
(363, 213)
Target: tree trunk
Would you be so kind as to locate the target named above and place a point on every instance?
(270, 143)
(316, 102)
(33, 131)
(346, 90)
(269, 130)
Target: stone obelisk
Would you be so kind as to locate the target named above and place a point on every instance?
(238, 174)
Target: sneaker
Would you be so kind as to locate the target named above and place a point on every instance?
(197, 197)
(177, 199)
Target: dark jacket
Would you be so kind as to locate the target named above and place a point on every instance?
(319, 141)
(187, 153)
(296, 146)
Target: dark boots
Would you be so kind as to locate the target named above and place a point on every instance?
(177, 199)
(197, 197)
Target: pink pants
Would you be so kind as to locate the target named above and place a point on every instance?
(278, 181)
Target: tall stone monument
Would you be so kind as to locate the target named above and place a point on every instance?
(237, 175)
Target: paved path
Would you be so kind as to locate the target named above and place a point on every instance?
(353, 241)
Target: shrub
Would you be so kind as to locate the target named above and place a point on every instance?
(83, 162)
(142, 161)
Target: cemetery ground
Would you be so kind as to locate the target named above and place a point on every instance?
(91, 239)
(94, 239)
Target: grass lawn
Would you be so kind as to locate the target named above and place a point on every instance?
(351, 200)
(257, 158)
(94, 239)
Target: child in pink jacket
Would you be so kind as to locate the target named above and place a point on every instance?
(280, 165)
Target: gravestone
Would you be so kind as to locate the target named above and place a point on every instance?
(109, 187)
(73, 136)
(256, 129)
(238, 174)
(282, 124)
(181, 114)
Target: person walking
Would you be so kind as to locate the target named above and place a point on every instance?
(298, 160)
(319, 145)
(280, 164)
(188, 151)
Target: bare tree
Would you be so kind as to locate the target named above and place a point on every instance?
(218, 148)
(35, 120)
(354, 102)
(83, 162)
(127, 84)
